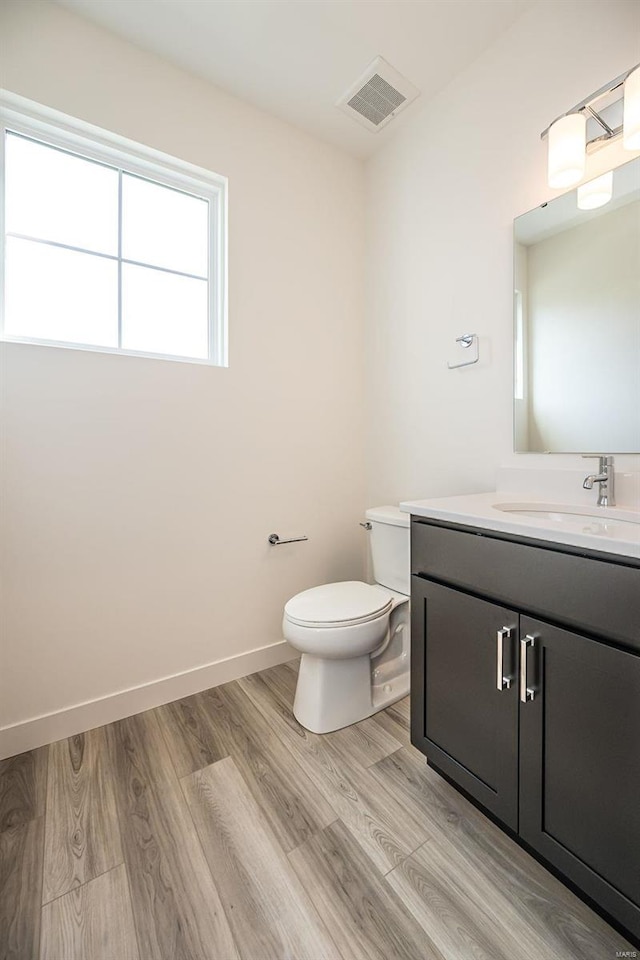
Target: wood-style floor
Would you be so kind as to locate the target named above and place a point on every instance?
(217, 828)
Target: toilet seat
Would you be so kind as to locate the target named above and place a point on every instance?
(335, 605)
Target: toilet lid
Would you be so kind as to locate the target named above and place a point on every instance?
(338, 603)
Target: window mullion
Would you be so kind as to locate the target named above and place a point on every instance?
(119, 259)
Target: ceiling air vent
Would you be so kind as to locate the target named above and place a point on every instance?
(377, 96)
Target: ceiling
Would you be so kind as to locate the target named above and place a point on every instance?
(295, 58)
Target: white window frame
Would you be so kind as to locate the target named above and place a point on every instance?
(30, 119)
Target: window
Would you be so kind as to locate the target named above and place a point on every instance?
(108, 245)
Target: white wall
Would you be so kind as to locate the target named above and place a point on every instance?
(139, 494)
(441, 200)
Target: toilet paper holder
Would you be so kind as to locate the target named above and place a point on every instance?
(275, 540)
(467, 340)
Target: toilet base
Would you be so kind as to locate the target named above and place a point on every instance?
(384, 694)
(334, 693)
(331, 694)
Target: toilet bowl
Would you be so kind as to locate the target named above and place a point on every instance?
(354, 636)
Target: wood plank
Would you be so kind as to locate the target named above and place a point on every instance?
(363, 743)
(192, 739)
(290, 802)
(94, 920)
(82, 836)
(456, 907)
(364, 915)
(21, 854)
(23, 783)
(270, 914)
(419, 789)
(395, 720)
(282, 678)
(387, 833)
(525, 895)
(176, 906)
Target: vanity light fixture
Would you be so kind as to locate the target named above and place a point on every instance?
(596, 192)
(567, 142)
(570, 138)
(631, 122)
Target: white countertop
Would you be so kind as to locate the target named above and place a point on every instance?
(598, 531)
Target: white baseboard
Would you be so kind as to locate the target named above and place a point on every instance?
(39, 731)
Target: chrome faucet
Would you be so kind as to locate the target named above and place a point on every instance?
(604, 478)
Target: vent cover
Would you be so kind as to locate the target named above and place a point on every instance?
(377, 96)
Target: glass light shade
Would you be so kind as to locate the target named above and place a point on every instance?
(631, 117)
(567, 147)
(596, 192)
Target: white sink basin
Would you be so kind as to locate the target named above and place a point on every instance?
(601, 518)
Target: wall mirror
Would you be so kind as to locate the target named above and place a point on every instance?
(577, 323)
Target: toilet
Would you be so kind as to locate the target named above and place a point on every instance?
(354, 636)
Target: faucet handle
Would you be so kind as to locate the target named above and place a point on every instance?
(604, 459)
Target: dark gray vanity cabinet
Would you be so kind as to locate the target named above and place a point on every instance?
(471, 727)
(580, 765)
(535, 719)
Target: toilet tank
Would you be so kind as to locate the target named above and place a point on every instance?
(390, 547)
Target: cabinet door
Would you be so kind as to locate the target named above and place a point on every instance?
(464, 718)
(580, 764)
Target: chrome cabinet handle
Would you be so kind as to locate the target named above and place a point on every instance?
(526, 693)
(502, 682)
